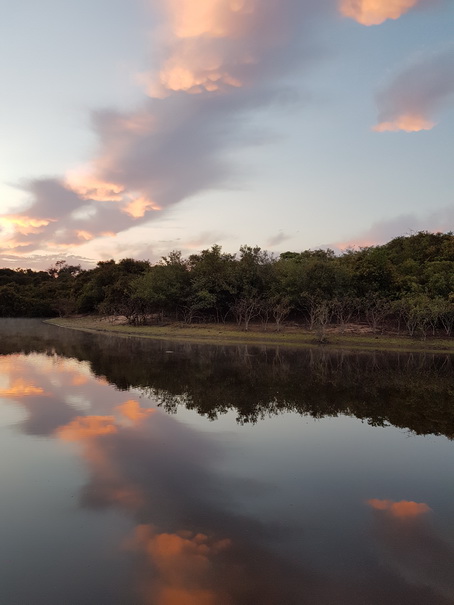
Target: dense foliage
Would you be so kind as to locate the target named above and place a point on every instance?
(406, 285)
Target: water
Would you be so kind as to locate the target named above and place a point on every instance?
(139, 472)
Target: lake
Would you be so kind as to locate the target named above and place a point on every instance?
(155, 473)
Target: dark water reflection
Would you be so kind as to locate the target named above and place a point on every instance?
(297, 494)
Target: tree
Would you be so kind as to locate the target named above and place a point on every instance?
(212, 282)
(164, 288)
(375, 309)
(250, 278)
(12, 303)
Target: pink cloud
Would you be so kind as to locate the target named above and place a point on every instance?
(375, 12)
(219, 61)
(385, 230)
(416, 93)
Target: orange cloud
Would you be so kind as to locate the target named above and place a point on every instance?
(87, 431)
(163, 152)
(132, 410)
(407, 123)
(416, 92)
(86, 236)
(138, 207)
(15, 244)
(190, 19)
(210, 18)
(79, 380)
(89, 187)
(87, 427)
(374, 12)
(21, 388)
(24, 225)
(180, 77)
(401, 510)
(111, 484)
(183, 561)
(16, 367)
(16, 229)
(199, 60)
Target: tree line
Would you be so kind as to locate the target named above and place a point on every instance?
(405, 285)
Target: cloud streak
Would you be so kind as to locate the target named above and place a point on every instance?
(416, 93)
(385, 230)
(277, 239)
(220, 60)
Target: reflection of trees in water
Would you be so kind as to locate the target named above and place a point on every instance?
(407, 390)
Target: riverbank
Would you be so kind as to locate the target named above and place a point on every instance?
(291, 336)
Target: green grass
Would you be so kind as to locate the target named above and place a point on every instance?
(230, 334)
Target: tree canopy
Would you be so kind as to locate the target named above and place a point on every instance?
(407, 283)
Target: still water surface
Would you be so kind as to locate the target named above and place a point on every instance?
(151, 473)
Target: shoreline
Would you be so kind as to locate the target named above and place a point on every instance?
(228, 334)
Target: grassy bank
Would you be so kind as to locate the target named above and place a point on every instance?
(230, 334)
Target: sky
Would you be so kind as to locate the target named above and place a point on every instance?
(131, 128)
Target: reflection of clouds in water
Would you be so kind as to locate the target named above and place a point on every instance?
(216, 380)
(79, 402)
(85, 427)
(27, 381)
(13, 384)
(19, 388)
(146, 448)
(404, 509)
(184, 563)
(132, 411)
(192, 546)
(111, 487)
(410, 545)
(79, 380)
(52, 390)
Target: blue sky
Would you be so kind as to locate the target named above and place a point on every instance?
(134, 127)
